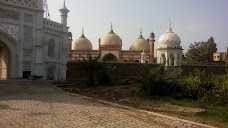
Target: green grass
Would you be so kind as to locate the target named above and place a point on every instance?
(213, 112)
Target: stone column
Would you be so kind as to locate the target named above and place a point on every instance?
(38, 45)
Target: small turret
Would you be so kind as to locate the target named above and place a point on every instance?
(64, 11)
(143, 57)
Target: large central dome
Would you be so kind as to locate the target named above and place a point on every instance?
(169, 40)
(140, 44)
(111, 39)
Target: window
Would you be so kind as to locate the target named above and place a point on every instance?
(51, 48)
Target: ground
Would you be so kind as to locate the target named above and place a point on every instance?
(126, 95)
(38, 104)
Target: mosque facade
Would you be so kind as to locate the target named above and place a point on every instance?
(169, 51)
(31, 44)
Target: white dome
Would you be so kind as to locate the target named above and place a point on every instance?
(111, 39)
(169, 39)
(82, 43)
(140, 44)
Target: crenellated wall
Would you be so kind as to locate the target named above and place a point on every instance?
(52, 25)
(24, 3)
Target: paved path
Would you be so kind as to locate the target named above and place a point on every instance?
(37, 104)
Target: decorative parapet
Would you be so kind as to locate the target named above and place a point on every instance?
(110, 46)
(24, 3)
(52, 25)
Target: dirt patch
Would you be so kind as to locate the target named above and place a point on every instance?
(126, 95)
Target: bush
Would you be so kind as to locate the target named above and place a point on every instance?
(104, 74)
(152, 81)
(197, 86)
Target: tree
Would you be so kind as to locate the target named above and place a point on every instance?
(202, 52)
(90, 66)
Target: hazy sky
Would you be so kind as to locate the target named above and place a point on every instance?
(192, 20)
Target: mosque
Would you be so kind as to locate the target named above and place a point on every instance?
(31, 44)
(169, 51)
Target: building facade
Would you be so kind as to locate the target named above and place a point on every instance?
(31, 44)
(169, 51)
(110, 48)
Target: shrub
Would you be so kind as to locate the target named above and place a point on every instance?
(197, 86)
(104, 73)
(152, 81)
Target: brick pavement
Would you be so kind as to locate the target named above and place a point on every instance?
(29, 104)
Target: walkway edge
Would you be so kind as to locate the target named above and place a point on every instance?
(140, 110)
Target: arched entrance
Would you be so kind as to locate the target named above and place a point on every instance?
(163, 59)
(8, 57)
(109, 57)
(4, 61)
(171, 59)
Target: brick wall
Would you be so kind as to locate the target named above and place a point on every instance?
(125, 70)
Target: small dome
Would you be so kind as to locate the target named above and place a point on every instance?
(82, 43)
(111, 39)
(140, 44)
(169, 39)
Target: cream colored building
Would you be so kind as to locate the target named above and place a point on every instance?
(169, 51)
(110, 48)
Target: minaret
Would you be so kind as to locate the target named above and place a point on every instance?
(152, 36)
(64, 11)
(64, 44)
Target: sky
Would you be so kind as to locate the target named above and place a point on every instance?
(192, 20)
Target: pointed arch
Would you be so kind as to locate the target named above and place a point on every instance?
(163, 59)
(171, 59)
(8, 56)
(109, 57)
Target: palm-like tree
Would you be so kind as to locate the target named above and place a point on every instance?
(90, 66)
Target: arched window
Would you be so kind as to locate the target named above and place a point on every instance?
(51, 48)
(51, 73)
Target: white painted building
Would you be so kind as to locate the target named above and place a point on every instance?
(169, 51)
(31, 44)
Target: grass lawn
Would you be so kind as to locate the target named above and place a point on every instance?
(219, 113)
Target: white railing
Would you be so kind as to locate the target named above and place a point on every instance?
(52, 24)
(26, 3)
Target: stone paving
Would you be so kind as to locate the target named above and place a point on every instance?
(37, 104)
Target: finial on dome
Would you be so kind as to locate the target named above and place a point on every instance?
(111, 31)
(170, 27)
(140, 36)
(82, 36)
(140, 30)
